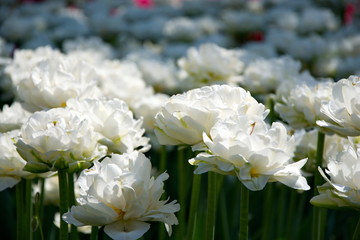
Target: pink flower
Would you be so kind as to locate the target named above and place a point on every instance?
(144, 3)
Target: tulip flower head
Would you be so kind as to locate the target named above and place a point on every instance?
(343, 110)
(58, 138)
(184, 118)
(120, 195)
(253, 152)
(11, 163)
(342, 187)
(115, 124)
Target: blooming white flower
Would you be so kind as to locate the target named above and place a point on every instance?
(120, 194)
(11, 163)
(210, 64)
(184, 118)
(306, 146)
(342, 187)
(54, 81)
(343, 109)
(265, 75)
(94, 45)
(122, 80)
(13, 117)
(148, 107)
(114, 122)
(25, 60)
(56, 139)
(300, 107)
(158, 73)
(253, 152)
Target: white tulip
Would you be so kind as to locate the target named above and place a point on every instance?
(115, 123)
(300, 107)
(122, 80)
(25, 60)
(52, 82)
(210, 64)
(148, 107)
(58, 138)
(265, 75)
(11, 163)
(184, 118)
(342, 187)
(343, 109)
(253, 152)
(13, 117)
(120, 194)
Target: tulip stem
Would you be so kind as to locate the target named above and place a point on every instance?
(290, 219)
(268, 207)
(194, 202)
(72, 201)
(182, 190)
(162, 168)
(224, 216)
(64, 202)
(28, 209)
(357, 231)
(211, 206)
(39, 210)
(19, 210)
(163, 158)
(244, 212)
(94, 233)
(318, 213)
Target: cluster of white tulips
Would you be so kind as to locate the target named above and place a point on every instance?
(245, 105)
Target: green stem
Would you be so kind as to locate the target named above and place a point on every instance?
(28, 209)
(270, 105)
(64, 202)
(281, 211)
(194, 202)
(163, 159)
(162, 168)
(19, 210)
(318, 220)
(244, 212)
(299, 215)
(224, 218)
(267, 218)
(290, 220)
(356, 235)
(94, 233)
(39, 210)
(211, 207)
(72, 201)
(182, 191)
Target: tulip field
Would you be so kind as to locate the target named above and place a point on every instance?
(180, 119)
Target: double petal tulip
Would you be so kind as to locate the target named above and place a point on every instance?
(53, 81)
(342, 187)
(184, 118)
(300, 107)
(11, 163)
(210, 64)
(114, 122)
(344, 109)
(120, 194)
(253, 152)
(56, 139)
